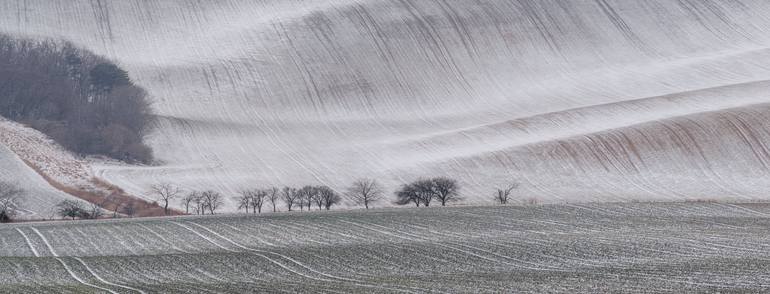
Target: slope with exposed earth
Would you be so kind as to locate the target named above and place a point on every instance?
(599, 100)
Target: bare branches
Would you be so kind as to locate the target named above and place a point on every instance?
(201, 202)
(71, 208)
(503, 194)
(273, 196)
(114, 201)
(257, 200)
(306, 196)
(408, 194)
(165, 192)
(243, 200)
(190, 199)
(424, 191)
(366, 192)
(327, 197)
(211, 200)
(322, 196)
(445, 190)
(289, 196)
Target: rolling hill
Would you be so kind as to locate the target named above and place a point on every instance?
(601, 100)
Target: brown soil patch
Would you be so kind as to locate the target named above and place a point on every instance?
(113, 198)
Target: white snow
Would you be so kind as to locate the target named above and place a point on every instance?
(40, 197)
(50, 158)
(607, 100)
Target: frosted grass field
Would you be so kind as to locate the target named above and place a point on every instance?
(634, 247)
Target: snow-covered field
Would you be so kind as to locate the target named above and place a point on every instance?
(596, 100)
(593, 248)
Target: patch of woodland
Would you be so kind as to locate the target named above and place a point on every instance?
(83, 101)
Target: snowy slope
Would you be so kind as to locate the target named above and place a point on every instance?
(40, 198)
(578, 100)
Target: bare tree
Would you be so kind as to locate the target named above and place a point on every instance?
(408, 194)
(165, 192)
(445, 190)
(10, 201)
(423, 190)
(189, 199)
(244, 200)
(129, 208)
(272, 196)
(503, 194)
(328, 196)
(200, 204)
(307, 195)
(366, 192)
(301, 200)
(318, 197)
(289, 196)
(113, 202)
(212, 200)
(258, 200)
(71, 208)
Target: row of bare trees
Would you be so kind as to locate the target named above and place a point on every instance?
(424, 191)
(202, 202)
(256, 198)
(310, 196)
(76, 209)
(365, 192)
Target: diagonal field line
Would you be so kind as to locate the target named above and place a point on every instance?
(29, 243)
